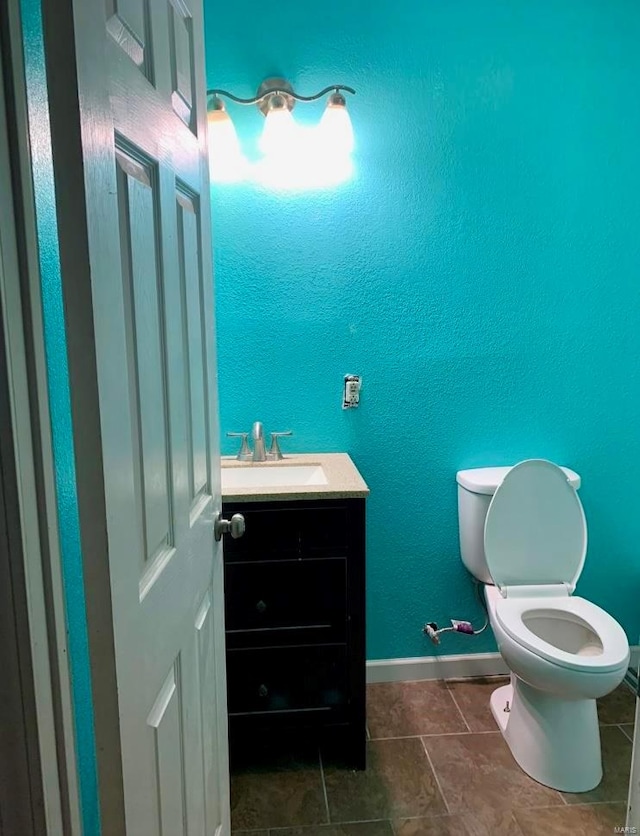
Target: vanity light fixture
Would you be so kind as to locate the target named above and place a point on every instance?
(276, 99)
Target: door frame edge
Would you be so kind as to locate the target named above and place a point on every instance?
(34, 464)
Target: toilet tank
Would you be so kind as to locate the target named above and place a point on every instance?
(476, 487)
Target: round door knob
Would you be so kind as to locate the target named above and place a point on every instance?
(236, 529)
(263, 691)
(235, 526)
(261, 606)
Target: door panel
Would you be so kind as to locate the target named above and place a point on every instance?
(191, 285)
(182, 64)
(208, 707)
(127, 25)
(137, 203)
(147, 434)
(165, 721)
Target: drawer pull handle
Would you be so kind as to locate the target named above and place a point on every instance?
(261, 606)
(263, 691)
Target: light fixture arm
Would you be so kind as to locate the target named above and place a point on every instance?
(281, 91)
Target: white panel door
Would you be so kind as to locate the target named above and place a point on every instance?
(154, 577)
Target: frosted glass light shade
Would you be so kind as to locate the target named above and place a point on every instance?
(226, 161)
(223, 139)
(278, 135)
(336, 129)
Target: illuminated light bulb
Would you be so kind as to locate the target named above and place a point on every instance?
(336, 130)
(226, 161)
(306, 168)
(279, 133)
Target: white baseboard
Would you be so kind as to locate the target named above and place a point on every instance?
(435, 667)
(448, 667)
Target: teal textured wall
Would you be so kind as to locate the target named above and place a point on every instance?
(60, 410)
(481, 271)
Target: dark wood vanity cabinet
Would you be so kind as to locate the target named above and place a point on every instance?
(295, 622)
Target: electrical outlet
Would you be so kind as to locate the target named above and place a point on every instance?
(351, 391)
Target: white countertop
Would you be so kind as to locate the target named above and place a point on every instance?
(343, 479)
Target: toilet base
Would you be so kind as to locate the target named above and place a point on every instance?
(555, 741)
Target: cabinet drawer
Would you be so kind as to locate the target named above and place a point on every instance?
(292, 601)
(288, 531)
(287, 679)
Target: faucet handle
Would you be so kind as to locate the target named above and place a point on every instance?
(244, 453)
(275, 454)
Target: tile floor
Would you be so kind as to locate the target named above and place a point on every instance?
(436, 766)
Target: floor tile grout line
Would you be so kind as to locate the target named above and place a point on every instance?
(455, 702)
(437, 734)
(590, 803)
(556, 806)
(429, 816)
(324, 788)
(435, 776)
(321, 824)
(620, 726)
(514, 818)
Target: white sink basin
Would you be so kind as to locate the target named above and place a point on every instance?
(270, 476)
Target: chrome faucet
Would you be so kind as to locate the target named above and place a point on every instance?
(259, 450)
(259, 453)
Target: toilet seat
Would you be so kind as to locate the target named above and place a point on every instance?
(511, 613)
(535, 541)
(535, 531)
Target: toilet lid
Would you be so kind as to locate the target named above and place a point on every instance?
(535, 531)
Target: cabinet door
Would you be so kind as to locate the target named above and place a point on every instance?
(282, 531)
(288, 680)
(290, 601)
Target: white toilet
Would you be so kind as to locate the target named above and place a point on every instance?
(524, 530)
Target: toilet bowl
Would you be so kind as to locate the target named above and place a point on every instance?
(562, 650)
(547, 713)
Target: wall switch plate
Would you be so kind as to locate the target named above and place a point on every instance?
(351, 391)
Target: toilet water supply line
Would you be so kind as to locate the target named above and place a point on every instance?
(434, 632)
